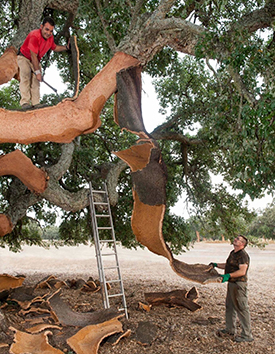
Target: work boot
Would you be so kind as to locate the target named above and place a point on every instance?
(26, 106)
(243, 339)
(39, 105)
(222, 332)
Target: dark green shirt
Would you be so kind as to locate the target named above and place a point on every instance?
(233, 262)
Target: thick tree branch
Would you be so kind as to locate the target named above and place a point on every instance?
(20, 200)
(66, 200)
(112, 180)
(58, 170)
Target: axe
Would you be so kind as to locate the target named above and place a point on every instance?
(55, 90)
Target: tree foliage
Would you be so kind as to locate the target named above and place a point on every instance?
(215, 86)
(263, 225)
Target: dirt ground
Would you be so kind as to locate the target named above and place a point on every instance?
(177, 330)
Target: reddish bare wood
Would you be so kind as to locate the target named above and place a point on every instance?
(8, 65)
(18, 164)
(5, 225)
(62, 123)
(25, 342)
(88, 339)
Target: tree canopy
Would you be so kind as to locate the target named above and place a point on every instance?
(213, 67)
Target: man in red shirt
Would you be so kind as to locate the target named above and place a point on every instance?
(35, 46)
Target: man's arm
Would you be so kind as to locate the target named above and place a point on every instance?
(221, 265)
(240, 272)
(35, 64)
(61, 48)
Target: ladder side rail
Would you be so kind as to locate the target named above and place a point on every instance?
(116, 256)
(98, 251)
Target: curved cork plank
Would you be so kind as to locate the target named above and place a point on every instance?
(8, 282)
(32, 343)
(18, 164)
(8, 65)
(149, 179)
(5, 225)
(62, 123)
(127, 112)
(67, 317)
(88, 339)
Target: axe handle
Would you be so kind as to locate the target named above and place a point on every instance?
(55, 90)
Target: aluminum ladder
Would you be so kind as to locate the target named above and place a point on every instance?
(105, 247)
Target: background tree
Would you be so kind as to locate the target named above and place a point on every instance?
(220, 116)
(263, 225)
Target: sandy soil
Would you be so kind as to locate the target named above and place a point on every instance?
(178, 329)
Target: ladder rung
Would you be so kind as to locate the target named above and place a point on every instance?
(108, 254)
(116, 267)
(106, 241)
(113, 281)
(105, 228)
(114, 295)
(98, 191)
(102, 215)
(100, 203)
(122, 308)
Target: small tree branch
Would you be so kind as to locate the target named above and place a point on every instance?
(135, 14)
(110, 39)
(163, 8)
(58, 170)
(241, 87)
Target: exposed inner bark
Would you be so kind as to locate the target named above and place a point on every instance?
(8, 65)
(32, 343)
(5, 225)
(62, 123)
(18, 164)
(88, 339)
(8, 282)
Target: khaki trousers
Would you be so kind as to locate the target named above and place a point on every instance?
(237, 305)
(29, 85)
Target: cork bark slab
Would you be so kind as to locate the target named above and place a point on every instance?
(8, 282)
(32, 343)
(88, 339)
(149, 179)
(67, 317)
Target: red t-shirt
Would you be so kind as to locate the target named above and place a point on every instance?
(37, 44)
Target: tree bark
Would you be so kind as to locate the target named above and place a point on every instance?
(173, 298)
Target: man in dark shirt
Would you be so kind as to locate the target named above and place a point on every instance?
(236, 268)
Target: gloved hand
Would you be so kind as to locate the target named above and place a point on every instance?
(213, 264)
(225, 277)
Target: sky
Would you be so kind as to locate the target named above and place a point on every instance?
(152, 118)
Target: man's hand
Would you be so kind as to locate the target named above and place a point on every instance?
(38, 75)
(225, 277)
(213, 264)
